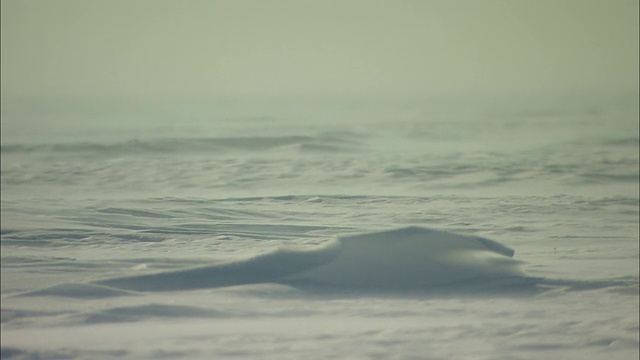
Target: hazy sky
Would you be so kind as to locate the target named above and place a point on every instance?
(194, 48)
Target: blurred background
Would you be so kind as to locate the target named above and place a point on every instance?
(82, 66)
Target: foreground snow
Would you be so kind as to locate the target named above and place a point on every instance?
(185, 313)
(223, 246)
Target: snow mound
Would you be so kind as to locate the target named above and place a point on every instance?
(265, 268)
(414, 257)
(407, 258)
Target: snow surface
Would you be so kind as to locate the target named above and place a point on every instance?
(408, 258)
(273, 238)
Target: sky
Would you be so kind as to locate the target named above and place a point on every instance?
(161, 49)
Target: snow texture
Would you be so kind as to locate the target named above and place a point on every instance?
(408, 258)
(304, 235)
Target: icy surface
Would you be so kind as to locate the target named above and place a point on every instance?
(278, 239)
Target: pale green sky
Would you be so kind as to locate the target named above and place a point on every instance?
(200, 49)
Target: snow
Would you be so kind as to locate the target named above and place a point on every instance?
(503, 238)
(408, 258)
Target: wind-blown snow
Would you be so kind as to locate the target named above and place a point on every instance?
(413, 258)
(408, 258)
(261, 239)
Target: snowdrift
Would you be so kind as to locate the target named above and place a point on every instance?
(407, 258)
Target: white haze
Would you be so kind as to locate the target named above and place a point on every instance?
(319, 179)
